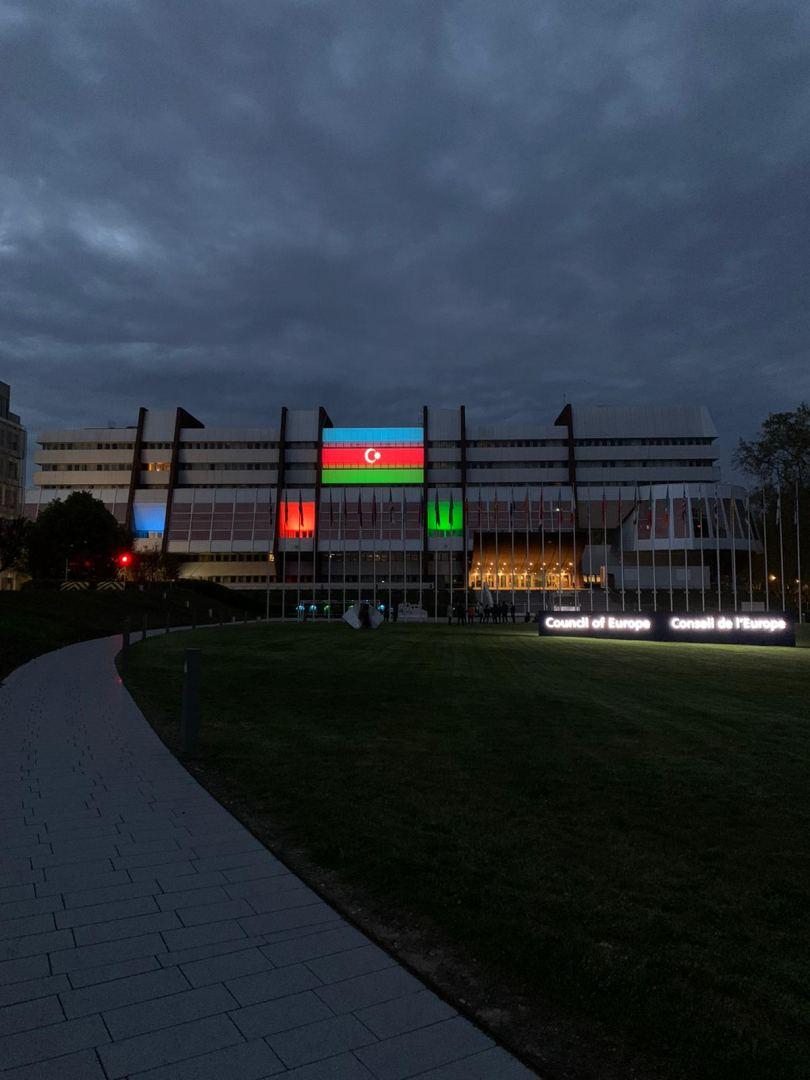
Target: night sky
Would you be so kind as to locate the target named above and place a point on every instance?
(372, 204)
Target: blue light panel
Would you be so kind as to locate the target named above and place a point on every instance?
(372, 436)
(149, 517)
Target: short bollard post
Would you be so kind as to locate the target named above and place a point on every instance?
(144, 627)
(233, 618)
(190, 715)
(244, 618)
(193, 618)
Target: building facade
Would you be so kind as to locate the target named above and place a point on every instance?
(612, 499)
(12, 457)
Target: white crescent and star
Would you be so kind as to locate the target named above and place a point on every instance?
(372, 456)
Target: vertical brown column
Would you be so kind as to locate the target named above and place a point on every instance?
(135, 474)
(182, 419)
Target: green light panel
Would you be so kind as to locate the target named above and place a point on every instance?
(445, 525)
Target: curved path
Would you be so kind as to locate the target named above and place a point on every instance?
(144, 933)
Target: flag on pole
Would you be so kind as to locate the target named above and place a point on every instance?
(286, 513)
(300, 512)
(450, 513)
(651, 512)
(436, 506)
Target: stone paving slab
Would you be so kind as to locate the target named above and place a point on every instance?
(145, 934)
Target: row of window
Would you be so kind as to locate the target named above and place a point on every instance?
(218, 466)
(86, 446)
(80, 466)
(644, 442)
(221, 445)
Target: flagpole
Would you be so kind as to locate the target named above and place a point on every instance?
(686, 516)
(798, 551)
(559, 548)
(298, 545)
(481, 544)
(359, 547)
(497, 555)
(670, 537)
(329, 564)
(436, 523)
(732, 502)
(543, 542)
(781, 544)
(422, 509)
(527, 576)
(637, 529)
(704, 506)
(590, 554)
(621, 546)
(605, 542)
(465, 510)
(450, 511)
(717, 547)
(574, 541)
(750, 554)
(512, 538)
(765, 549)
(390, 555)
(343, 546)
(284, 553)
(374, 549)
(404, 550)
(652, 509)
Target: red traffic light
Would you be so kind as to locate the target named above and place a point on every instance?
(124, 559)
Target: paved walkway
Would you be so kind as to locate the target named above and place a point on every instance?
(145, 934)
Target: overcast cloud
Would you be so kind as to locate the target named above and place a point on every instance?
(371, 204)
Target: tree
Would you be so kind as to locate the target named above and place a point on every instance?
(77, 535)
(781, 454)
(13, 542)
(779, 460)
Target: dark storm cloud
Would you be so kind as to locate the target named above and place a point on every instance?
(371, 205)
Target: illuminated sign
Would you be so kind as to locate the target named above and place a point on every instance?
(729, 628)
(373, 456)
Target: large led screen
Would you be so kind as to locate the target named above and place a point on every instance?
(373, 456)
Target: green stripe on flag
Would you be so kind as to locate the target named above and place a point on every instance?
(372, 476)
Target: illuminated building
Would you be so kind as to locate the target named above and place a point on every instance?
(631, 492)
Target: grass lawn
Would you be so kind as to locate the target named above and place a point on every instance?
(35, 621)
(619, 829)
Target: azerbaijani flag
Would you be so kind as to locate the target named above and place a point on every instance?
(373, 456)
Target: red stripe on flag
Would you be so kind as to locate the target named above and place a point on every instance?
(369, 457)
